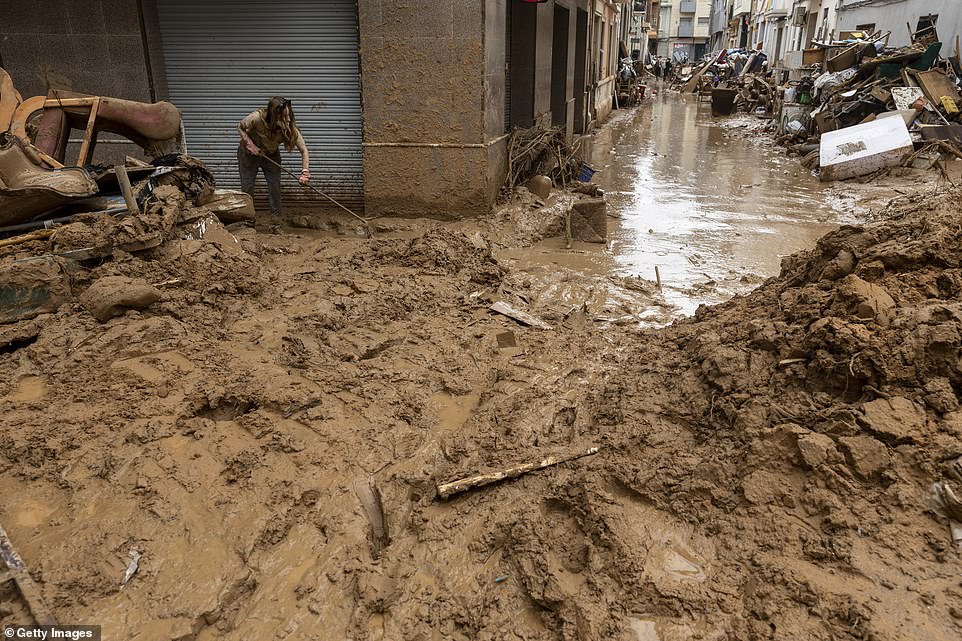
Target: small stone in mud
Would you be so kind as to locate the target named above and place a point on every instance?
(867, 456)
(113, 295)
(895, 418)
(940, 396)
(870, 301)
(842, 265)
(817, 449)
(764, 336)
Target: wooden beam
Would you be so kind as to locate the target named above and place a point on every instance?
(71, 102)
(48, 159)
(86, 147)
(26, 238)
(29, 589)
(462, 485)
(124, 181)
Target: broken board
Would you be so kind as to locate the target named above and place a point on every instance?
(936, 85)
(522, 317)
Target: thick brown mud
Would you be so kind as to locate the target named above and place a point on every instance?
(270, 433)
(713, 209)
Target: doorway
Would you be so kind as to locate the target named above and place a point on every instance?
(581, 59)
(559, 67)
(523, 23)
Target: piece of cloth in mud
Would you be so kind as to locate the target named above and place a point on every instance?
(269, 139)
(248, 164)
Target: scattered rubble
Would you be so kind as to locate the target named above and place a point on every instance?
(210, 433)
(848, 101)
(274, 428)
(38, 192)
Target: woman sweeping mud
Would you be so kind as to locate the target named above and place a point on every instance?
(262, 132)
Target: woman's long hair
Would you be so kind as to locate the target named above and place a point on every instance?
(272, 117)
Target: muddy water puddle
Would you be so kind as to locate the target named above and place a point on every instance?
(663, 629)
(713, 209)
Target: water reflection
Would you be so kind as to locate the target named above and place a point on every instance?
(715, 212)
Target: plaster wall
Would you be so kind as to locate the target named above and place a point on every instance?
(92, 47)
(423, 71)
(434, 95)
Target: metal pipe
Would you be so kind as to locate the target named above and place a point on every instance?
(440, 145)
(45, 224)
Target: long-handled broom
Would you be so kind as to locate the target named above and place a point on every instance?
(367, 225)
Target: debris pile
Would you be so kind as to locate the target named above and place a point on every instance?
(734, 79)
(37, 189)
(857, 107)
(58, 221)
(630, 89)
(541, 151)
(810, 434)
(540, 159)
(314, 398)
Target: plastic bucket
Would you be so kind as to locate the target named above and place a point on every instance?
(586, 173)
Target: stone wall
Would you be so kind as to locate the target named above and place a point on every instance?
(423, 65)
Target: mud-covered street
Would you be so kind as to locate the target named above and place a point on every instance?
(714, 210)
(269, 437)
(502, 362)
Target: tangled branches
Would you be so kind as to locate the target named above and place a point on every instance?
(540, 151)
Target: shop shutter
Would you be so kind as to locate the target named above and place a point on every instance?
(224, 59)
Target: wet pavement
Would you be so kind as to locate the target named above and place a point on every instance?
(714, 210)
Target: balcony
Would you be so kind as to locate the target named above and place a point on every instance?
(687, 6)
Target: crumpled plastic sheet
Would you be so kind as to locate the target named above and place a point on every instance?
(829, 81)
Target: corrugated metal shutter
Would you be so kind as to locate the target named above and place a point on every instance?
(225, 59)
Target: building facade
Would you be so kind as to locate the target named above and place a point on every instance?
(783, 28)
(406, 107)
(894, 15)
(684, 29)
(635, 27)
(654, 19)
(718, 22)
(780, 27)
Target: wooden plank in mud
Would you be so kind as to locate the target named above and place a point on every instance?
(17, 571)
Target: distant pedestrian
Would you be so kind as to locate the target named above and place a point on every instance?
(658, 68)
(262, 133)
(668, 67)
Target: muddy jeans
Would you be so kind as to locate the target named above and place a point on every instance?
(248, 164)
